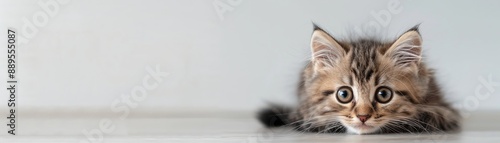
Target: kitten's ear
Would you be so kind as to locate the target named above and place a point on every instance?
(407, 49)
(326, 51)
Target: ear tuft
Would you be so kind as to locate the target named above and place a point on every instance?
(316, 27)
(407, 49)
(414, 28)
(326, 51)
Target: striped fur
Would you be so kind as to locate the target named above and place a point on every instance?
(365, 66)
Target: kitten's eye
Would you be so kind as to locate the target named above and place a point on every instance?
(344, 95)
(383, 95)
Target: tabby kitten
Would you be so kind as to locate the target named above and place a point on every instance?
(366, 86)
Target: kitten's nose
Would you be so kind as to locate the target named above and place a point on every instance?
(363, 118)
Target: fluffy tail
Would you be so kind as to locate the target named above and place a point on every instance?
(275, 116)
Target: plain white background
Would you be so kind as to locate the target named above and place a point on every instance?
(90, 53)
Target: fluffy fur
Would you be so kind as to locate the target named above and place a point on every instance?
(366, 86)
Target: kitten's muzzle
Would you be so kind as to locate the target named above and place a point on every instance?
(363, 118)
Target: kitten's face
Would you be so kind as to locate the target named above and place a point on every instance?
(365, 85)
(364, 100)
